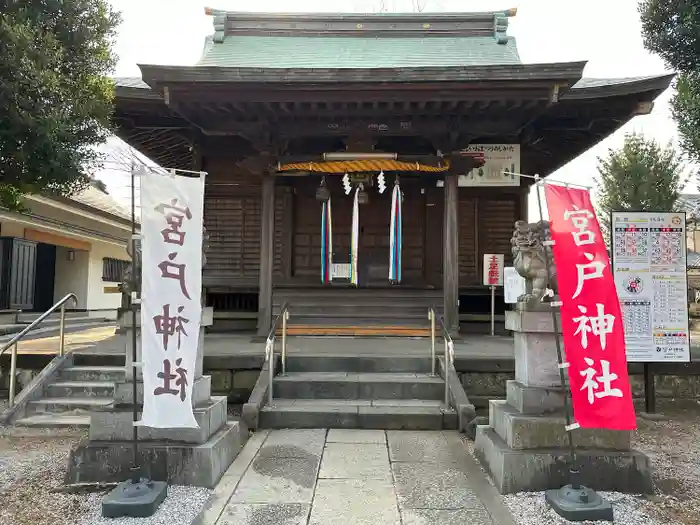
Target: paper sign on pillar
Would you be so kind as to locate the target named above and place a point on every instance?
(493, 269)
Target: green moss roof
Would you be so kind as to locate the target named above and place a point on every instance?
(359, 41)
(357, 52)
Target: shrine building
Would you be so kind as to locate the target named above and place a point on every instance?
(288, 112)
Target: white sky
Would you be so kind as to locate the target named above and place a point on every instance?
(607, 33)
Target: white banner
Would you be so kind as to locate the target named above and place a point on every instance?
(171, 309)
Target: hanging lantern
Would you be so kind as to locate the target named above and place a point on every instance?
(322, 193)
(362, 196)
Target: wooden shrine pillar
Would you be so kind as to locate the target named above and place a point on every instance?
(267, 237)
(450, 260)
(524, 202)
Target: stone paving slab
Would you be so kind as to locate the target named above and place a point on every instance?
(445, 517)
(277, 480)
(419, 446)
(299, 444)
(356, 435)
(265, 514)
(432, 486)
(354, 502)
(355, 461)
(355, 477)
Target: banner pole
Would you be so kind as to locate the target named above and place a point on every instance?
(573, 469)
(135, 466)
(493, 311)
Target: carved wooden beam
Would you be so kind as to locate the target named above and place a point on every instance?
(476, 126)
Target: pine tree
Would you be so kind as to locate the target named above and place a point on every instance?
(640, 176)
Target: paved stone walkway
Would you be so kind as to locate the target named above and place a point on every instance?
(355, 477)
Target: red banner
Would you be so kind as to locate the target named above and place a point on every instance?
(591, 320)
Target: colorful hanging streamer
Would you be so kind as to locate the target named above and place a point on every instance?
(355, 237)
(395, 236)
(326, 242)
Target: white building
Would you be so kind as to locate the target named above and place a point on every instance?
(63, 245)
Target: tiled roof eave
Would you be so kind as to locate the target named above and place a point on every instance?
(604, 88)
(568, 71)
(618, 87)
(91, 209)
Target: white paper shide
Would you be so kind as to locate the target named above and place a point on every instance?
(171, 309)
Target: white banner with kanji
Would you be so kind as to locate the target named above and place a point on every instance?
(171, 309)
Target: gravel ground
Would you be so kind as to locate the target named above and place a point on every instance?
(180, 508)
(32, 466)
(531, 508)
(673, 446)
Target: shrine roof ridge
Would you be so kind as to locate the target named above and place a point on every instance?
(492, 24)
(409, 16)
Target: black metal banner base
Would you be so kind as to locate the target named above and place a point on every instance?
(579, 504)
(135, 500)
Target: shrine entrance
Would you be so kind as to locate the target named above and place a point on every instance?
(374, 233)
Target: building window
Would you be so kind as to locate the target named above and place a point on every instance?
(113, 269)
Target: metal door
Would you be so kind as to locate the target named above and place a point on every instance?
(22, 274)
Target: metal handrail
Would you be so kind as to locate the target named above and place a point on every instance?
(17, 338)
(270, 347)
(449, 348)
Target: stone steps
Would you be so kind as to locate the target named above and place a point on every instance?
(373, 392)
(357, 310)
(350, 329)
(93, 373)
(68, 400)
(387, 414)
(373, 363)
(75, 405)
(99, 389)
(49, 420)
(352, 385)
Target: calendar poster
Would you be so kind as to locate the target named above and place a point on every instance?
(649, 264)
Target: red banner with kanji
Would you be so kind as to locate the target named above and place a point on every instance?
(591, 320)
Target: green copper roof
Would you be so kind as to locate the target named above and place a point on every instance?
(357, 52)
(364, 41)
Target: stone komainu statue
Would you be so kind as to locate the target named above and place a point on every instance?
(127, 284)
(529, 261)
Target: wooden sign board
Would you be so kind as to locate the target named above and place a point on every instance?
(112, 289)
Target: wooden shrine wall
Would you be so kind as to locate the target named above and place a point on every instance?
(232, 217)
(232, 214)
(486, 221)
(374, 223)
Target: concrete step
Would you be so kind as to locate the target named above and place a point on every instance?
(343, 385)
(386, 414)
(352, 293)
(370, 364)
(98, 389)
(93, 373)
(75, 405)
(362, 311)
(355, 328)
(54, 421)
(55, 318)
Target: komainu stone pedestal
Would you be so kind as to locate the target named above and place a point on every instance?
(525, 446)
(185, 456)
